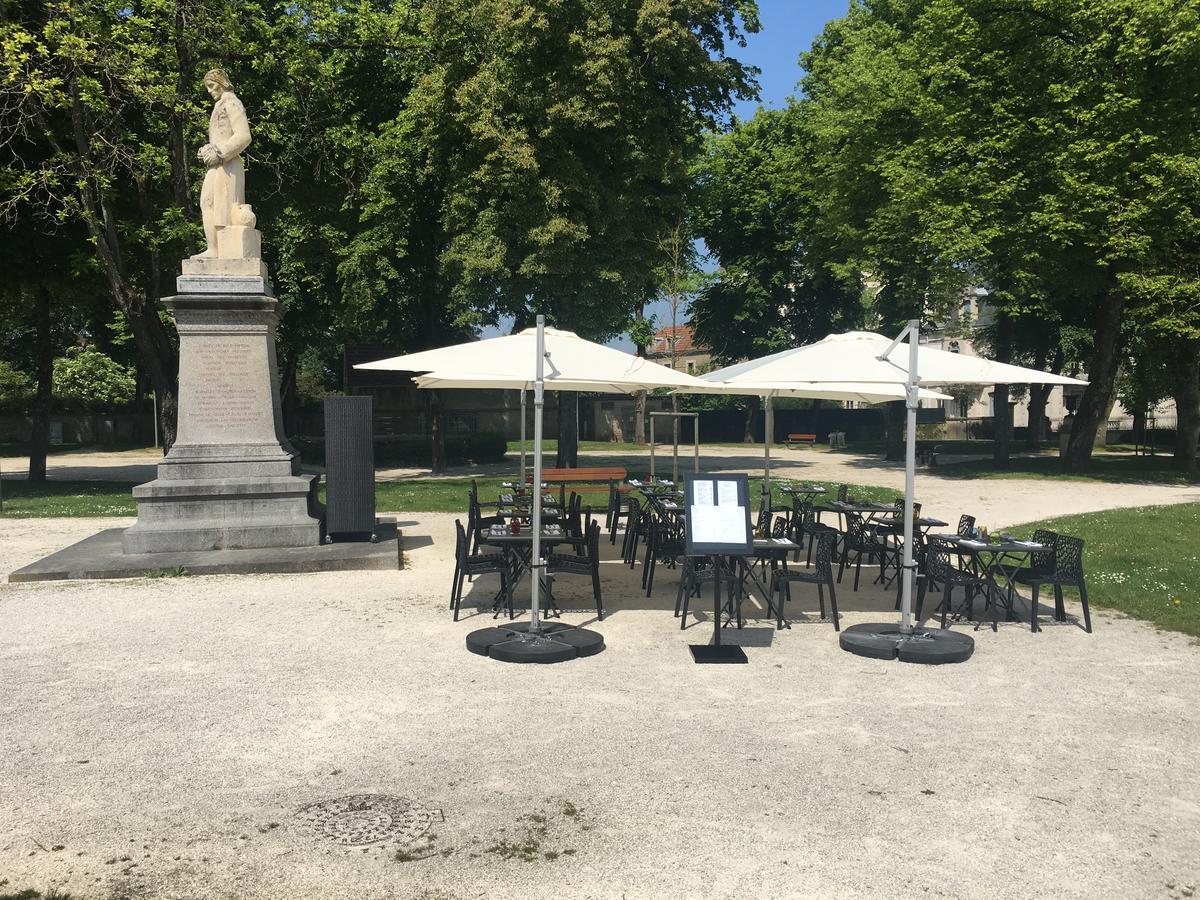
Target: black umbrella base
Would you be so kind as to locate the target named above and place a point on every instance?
(931, 646)
(554, 643)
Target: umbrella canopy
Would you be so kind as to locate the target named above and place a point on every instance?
(571, 364)
(835, 390)
(855, 357)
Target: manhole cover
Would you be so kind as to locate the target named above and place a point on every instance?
(368, 819)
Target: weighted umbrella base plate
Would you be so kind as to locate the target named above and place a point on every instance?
(555, 642)
(930, 646)
(718, 653)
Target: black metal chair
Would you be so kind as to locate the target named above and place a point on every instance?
(860, 540)
(633, 532)
(477, 522)
(472, 564)
(821, 575)
(1067, 571)
(664, 544)
(623, 513)
(966, 524)
(586, 563)
(941, 570)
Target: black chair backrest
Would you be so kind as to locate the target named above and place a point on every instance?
(856, 528)
(938, 554)
(965, 525)
(460, 541)
(763, 525)
(1043, 560)
(1068, 560)
(825, 554)
(780, 528)
(593, 542)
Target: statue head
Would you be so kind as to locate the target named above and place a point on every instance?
(216, 82)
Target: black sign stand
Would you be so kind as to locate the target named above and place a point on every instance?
(716, 652)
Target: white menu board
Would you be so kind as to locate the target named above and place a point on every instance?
(717, 509)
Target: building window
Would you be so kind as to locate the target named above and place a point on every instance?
(691, 367)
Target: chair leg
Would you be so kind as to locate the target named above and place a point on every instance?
(687, 596)
(833, 606)
(920, 598)
(1033, 603)
(821, 599)
(1060, 609)
(454, 583)
(596, 592)
(857, 569)
(842, 565)
(458, 592)
(1087, 616)
(684, 580)
(946, 604)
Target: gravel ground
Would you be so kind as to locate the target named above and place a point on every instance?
(160, 738)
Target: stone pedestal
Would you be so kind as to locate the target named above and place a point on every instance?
(231, 481)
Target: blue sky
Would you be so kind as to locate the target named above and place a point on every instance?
(788, 28)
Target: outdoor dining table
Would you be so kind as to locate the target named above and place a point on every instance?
(804, 490)
(518, 549)
(996, 560)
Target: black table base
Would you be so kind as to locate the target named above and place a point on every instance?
(718, 653)
(930, 646)
(553, 643)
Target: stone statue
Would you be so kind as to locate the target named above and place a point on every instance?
(228, 221)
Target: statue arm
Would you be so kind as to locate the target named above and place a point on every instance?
(240, 139)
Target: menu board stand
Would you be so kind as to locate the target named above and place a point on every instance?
(717, 513)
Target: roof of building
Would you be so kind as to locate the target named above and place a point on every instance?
(684, 339)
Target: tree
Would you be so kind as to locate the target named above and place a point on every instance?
(1039, 148)
(562, 134)
(87, 379)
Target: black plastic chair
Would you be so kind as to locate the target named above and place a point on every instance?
(473, 564)
(860, 540)
(1067, 571)
(624, 513)
(966, 524)
(940, 570)
(586, 563)
(821, 575)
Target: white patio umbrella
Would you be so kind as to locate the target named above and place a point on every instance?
(511, 362)
(867, 358)
(813, 390)
(521, 361)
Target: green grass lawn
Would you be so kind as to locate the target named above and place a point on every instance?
(1111, 467)
(77, 499)
(73, 499)
(1142, 562)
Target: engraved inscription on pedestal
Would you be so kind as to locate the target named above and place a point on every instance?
(227, 392)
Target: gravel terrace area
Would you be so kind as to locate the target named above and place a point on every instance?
(167, 738)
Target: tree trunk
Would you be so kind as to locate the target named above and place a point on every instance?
(568, 430)
(1002, 420)
(39, 438)
(1097, 399)
(1139, 427)
(639, 417)
(1035, 434)
(752, 404)
(437, 439)
(1039, 395)
(895, 414)
(288, 401)
(1187, 406)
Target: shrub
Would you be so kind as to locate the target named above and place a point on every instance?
(87, 379)
(16, 389)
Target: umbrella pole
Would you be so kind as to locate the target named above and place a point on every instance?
(910, 476)
(768, 429)
(538, 403)
(522, 436)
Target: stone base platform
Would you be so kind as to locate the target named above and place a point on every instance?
(101, 556)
